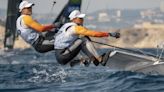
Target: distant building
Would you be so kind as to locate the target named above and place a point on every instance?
(103, 17)
(141, 25)
(147, 13)
(90, 18)
(118, 13)
(118, 16)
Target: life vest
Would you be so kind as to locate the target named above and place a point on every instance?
(65, 36)
(28, 34)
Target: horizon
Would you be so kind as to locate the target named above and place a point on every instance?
(89, 5)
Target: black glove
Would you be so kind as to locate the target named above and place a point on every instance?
(115, 34)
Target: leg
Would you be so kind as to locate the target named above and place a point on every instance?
(43, 45)
(64, 56)
(89, 49)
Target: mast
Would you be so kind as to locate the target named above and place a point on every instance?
(70, 6)
(10, 28)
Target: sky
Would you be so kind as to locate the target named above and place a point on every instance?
(44, 6)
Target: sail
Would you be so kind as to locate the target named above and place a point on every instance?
(70, 6)
(10, 32)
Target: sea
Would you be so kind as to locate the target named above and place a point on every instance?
(24, 70)
(28, 71)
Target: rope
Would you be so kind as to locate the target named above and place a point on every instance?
(88, 3)
(160, 55)
(54, 2)
(138, 51)
(157, 51)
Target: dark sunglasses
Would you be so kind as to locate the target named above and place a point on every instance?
(28, 8)
(81, 18)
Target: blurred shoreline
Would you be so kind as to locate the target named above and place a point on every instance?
(130, 38)
(138, 38)
(2, 30)
(19, 43)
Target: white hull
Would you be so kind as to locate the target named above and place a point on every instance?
(128, 61)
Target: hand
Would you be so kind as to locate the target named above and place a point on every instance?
(50, 27)
(53, 26)
(115, 34)
(57, 24)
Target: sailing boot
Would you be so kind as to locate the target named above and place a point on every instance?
(74, 62)
(86, 62)
(83, 61)
(105, 58)
(95, 61)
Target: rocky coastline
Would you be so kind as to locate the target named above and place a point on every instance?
(130, 38)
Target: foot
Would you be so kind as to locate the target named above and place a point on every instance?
(96, 62)
(105, 58)
(86, 62)
(74, 62)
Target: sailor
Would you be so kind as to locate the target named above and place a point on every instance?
(73, 37)
(31, 31)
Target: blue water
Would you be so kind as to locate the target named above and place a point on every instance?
(28, 71)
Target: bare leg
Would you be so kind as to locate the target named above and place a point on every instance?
(89, 49)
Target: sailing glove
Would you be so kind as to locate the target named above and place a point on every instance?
(115, 34)
(58, 24)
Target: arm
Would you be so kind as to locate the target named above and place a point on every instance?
(35, 25)
(86, 32)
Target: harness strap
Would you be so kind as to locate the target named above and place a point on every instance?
(68, 27)
(21, 25)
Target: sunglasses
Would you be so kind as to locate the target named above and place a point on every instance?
(28, 8)
(81, 18)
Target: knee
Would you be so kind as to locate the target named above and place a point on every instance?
(40, 50)
(61, 60)
(62, 63)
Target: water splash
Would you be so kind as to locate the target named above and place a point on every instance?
(48, 74)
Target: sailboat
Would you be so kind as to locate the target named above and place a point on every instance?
(129, 61)
(135, 60)
(119, 59)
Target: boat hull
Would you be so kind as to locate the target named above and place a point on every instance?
(128, 61)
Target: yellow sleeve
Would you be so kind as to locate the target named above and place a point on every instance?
(86, 32)
(35, 25)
